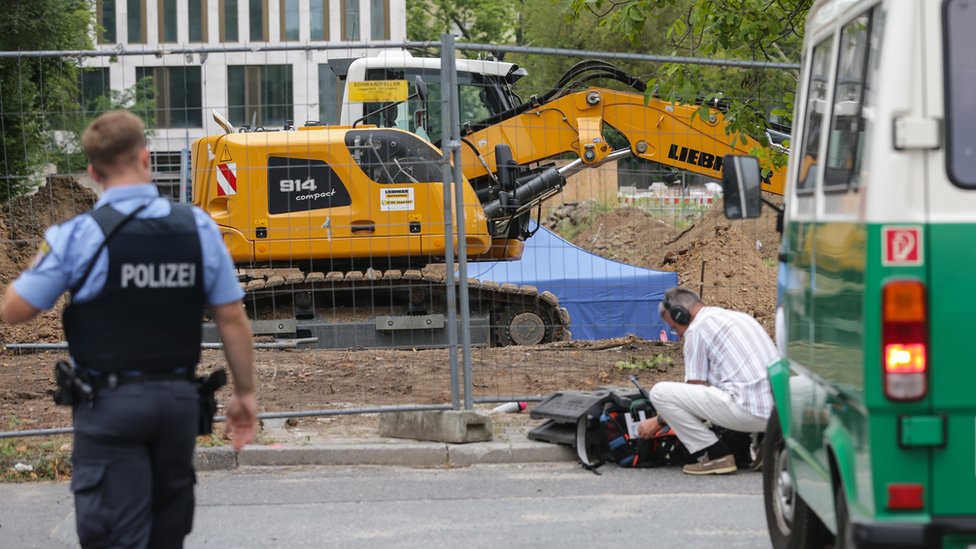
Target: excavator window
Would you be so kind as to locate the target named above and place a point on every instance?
(303, 184)
(389, 156)
(481, 96)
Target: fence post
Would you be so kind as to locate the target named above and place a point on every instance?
(184, 176)
(448, 147)
(449, 82)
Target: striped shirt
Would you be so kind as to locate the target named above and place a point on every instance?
(730, 351)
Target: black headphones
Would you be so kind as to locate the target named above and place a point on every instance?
(679, 314)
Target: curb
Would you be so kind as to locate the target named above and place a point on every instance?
(388, 452)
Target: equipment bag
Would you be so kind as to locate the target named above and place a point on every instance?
(610, 437)
(626, 449)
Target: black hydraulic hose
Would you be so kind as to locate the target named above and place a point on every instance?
(535, 186)
(601, 69)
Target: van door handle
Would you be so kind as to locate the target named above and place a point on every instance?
(363, 227)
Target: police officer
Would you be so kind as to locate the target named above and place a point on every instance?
(140, 271)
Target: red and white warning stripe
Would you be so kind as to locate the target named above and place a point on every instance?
(226, 179)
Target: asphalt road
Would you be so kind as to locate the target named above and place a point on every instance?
(551, 505)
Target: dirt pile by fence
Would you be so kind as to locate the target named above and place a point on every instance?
(739, 257)
(23, 221)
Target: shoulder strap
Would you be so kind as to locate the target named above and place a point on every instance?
(110, 221)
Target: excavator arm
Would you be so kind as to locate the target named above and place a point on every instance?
(665, 132)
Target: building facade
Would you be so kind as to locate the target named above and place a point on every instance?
(251, 88)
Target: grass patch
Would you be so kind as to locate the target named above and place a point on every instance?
(212, 441)
(659, 362)
(35, 458)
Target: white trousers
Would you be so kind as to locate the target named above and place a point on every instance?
(686, 406)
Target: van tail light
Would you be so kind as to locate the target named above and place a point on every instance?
(905, 340)
(907, 497)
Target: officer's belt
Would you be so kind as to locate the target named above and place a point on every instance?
(111, 380)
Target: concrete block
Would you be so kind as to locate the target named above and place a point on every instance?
(438, 425)
(218, 458)
(403, 454)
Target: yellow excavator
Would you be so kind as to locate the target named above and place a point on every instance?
(339, 230)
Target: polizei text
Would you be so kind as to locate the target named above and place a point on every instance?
(159, 275)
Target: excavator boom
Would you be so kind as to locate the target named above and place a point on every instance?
(669, 133)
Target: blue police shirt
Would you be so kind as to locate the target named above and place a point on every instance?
(70, 246)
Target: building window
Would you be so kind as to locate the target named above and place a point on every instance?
(329, 99)
(258, 10)
(319, 13)
(166, 20)
(228, 20)
(93, 84)
(177, 91)
(379, 19)
(105, 21)
(197, 19)
(259, 95)
(289, 20)
(350, 19)
(136, 21)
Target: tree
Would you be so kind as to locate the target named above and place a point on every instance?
(553, 24)
(65, 143)
(30, 87)
(481, 21)
(767, 30)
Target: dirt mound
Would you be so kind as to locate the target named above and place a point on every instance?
(623, 234)
(22, 225)
(732, 263)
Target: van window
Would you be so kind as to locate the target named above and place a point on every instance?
(960, 43)
(816, 105)
(844, 143)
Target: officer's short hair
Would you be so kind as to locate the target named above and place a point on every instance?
(113, 139)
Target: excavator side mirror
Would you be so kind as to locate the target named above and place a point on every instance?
(741, 186)
(420, 115)
(421, 88)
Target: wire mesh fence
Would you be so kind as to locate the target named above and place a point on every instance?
(325, 166)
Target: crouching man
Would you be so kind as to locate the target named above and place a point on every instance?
(726, 354)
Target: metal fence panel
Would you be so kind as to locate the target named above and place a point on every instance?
(634, 211)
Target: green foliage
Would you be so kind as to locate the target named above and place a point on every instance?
(482, 21)
(766, 30)
(659, 362)
(65, 145)
(31, 87)
(552, 24)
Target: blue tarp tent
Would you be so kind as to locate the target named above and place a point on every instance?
(605, 298)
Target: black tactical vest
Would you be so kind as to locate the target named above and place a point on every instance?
(148, 316)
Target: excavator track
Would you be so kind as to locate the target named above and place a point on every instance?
(517, 315)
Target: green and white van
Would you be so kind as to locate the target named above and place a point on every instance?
(873, 440)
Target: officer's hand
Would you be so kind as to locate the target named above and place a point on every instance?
(647, 428)
(242, 419)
